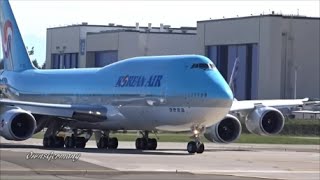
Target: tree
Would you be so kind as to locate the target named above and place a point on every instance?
(31, 52)
(43, 66)
(35, 63)
(1, 64)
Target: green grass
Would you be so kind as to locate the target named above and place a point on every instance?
(303, 121)
(244, 138)
(279, 139)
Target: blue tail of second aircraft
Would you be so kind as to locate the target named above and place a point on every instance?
(15, 55)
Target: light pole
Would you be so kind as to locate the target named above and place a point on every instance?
(295, 81)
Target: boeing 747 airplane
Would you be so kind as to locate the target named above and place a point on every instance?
(147, 94)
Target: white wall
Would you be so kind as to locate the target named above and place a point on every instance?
(132, 44)
(128, 45)
(70, 38)
(269, 85)
(306, 49)
(59, 37)
(283, 43)
(231, 32)
(169, 44)
(103, 41)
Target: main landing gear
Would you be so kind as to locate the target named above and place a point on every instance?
(105, 142)
(52, 140)
(75, 141)
(146, 143)
(196, 146)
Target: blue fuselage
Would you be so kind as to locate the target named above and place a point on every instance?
(176, 86)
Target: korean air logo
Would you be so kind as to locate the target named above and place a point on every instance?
(139, 81)
(124, 80)
(7, 39)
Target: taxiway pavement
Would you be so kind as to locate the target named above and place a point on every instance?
(169, 161)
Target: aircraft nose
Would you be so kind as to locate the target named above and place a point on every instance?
(226, 91)
(220, 89)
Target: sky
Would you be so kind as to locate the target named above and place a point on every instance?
(35, 16)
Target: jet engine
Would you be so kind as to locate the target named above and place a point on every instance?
(226, 131)
(17, 124)
(265, 121)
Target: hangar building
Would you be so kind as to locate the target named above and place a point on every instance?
(278, 55)
(79, 46)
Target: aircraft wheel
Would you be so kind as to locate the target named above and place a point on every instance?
(103, 142)
(200, 148)
(80, 142)
(51, 142)
(152, 144)
(69, 142)
(113, 143)
(59, 142)
(98, 145)
(141, 144)
(138, 143)
(45, 142)
(192, 147)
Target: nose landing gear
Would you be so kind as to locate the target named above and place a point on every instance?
(196, 146)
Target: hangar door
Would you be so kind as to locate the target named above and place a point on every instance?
(246, 76)
(103, 58)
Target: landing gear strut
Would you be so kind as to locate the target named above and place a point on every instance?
(105, 142)
(51, 140)
(196, 146)
(146, 143)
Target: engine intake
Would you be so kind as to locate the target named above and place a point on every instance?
(17, 124)
(265, 121)
(226, 131)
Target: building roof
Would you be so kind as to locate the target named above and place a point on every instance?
(265, 15)
(134, 30)
(120, 26)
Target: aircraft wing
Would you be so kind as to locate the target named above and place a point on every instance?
(277, 103)
(91, 113)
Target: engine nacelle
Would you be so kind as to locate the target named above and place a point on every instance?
(265, 121)
(226, 131)
(17, 124)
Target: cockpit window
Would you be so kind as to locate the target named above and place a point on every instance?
(202, 66)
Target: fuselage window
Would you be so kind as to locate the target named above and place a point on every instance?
(202, 66)
(178, 109)
(194, 66)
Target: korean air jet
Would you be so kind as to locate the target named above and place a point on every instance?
(147, 94)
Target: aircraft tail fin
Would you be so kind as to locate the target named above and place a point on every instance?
(234, 74)
(15, 55)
